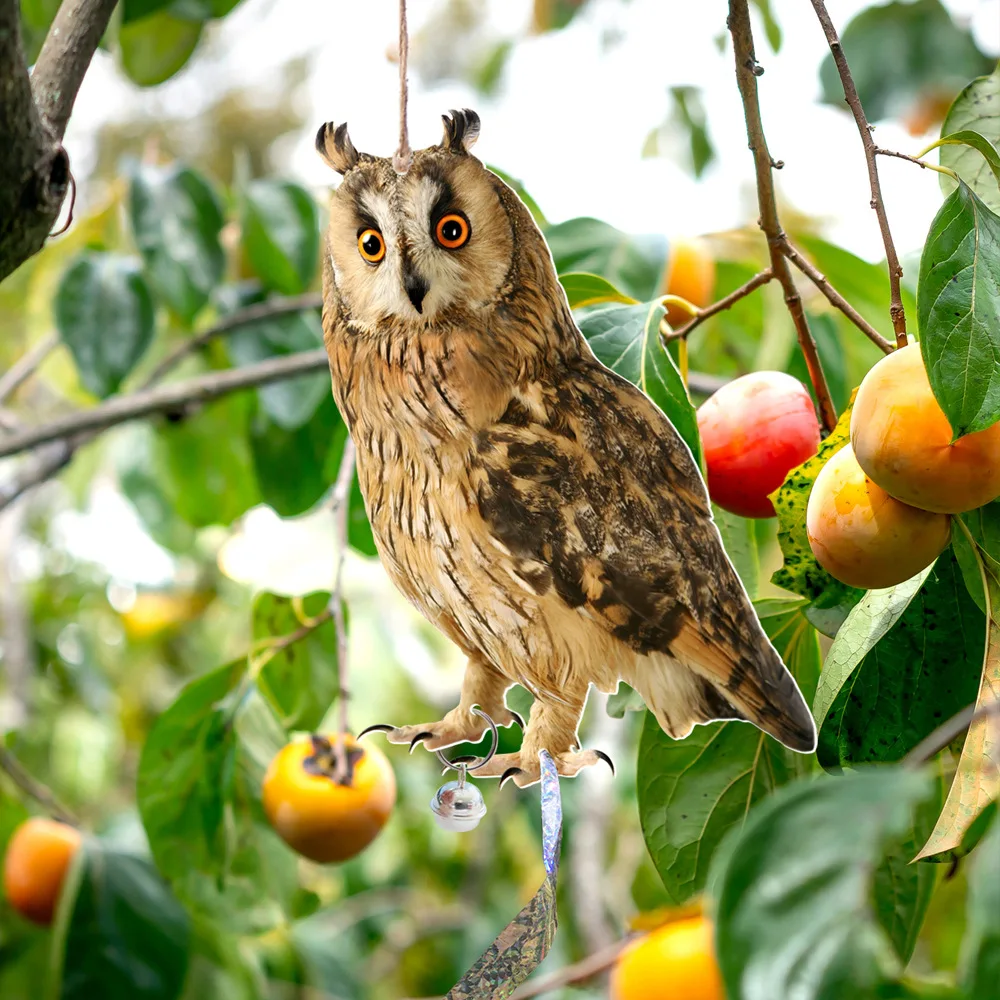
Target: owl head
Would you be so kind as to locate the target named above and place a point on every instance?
(444, 240)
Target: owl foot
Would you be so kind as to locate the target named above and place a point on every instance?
(525, 771)
(457, 726)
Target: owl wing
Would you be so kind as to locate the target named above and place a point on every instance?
(597, 497)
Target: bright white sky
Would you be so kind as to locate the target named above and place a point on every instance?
(573, 114)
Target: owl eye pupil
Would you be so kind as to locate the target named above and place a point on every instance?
(372, 244)
(451, 230)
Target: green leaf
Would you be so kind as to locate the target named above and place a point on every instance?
(958, 303)
(104, 314)
(976, 784)
(865, 626)
(899, 52)
(190, 10)
(800, 573)
(198, 792)
(794, 889)
(36, 17)
(693, 791)
(127, 937)
(588, 289)
(291, 402)
(921, 672)
(627, 340)
(977, 108)
(291, 465)
(902, 889)
(155, 48)
(980, 959)
(982, 145)
(771, 27)
(281, 234)
(204, 463)
(301, 681)
(739, 537)
(176, 219)
(690, 112)
(632, 263)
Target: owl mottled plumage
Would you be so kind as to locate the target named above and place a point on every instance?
(537, 508)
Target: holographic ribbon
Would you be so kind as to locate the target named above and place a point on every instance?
(525, 941)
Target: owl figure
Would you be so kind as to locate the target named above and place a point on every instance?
(537, 508)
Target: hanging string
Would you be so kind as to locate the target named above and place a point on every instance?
(404, 155)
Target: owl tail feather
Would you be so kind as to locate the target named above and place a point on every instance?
(701, 681)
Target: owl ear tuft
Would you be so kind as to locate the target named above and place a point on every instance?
(461, 130)
(335, 146)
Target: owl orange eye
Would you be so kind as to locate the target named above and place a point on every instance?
(452, 231)
(371, 246)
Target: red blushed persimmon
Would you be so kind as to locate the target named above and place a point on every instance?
(754, 431)
(38, 855)
(316, 815)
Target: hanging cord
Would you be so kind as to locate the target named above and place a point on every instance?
(404, 155)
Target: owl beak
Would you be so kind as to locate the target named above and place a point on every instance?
(416, 289)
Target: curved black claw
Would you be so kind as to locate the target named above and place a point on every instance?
(607, 760)
(517, 719)
(379, 727)
(509, 773)
(416, 739)
(465, 758)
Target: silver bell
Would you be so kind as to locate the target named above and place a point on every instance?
(458, 806)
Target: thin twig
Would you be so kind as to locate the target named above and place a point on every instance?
(949, 730)
(340, 508)
(33, 788)
(271, 309)
(176, 395)
(821, 281)
(896, 311)
(747, 71)
(404, 155)
(26, 365)
(682, 332)
(578, 972)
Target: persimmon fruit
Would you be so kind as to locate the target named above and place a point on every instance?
(38, 856)
(674, 962)
(755, 430)
(315, 814)
(903, 441)
(690, 274)
(863, 536)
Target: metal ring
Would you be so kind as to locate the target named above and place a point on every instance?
(476, 762)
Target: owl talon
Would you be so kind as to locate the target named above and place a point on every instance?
(419, 738)
(607, 760)
(379, 727)
(509, 773)
(516, 718)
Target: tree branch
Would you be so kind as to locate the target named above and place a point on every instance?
(821, 281)
(949, 730)
(681, 333)
(242, 317)
(34, 167)
(747, 71)
(578, 972)
(202, 389)
(65, 57)
(33, 788)
(26, 365)
(896, 310)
